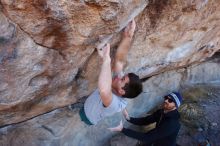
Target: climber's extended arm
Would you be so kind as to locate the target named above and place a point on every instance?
(105, 76)
(123, 48)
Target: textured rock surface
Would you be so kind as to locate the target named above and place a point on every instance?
(48, 58)
(173, 34)
(63, 126)
(200, 116)
(33, 79)
(46, 55)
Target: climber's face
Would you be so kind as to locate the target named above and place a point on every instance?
(168, 103)
(119, 83)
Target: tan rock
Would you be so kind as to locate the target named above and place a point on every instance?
(47, 47)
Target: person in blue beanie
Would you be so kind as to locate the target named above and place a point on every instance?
(167, 124)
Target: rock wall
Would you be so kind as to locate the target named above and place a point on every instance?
(47, 51)
(63, 126)
(48, 58)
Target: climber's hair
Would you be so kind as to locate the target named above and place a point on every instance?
(134, 87)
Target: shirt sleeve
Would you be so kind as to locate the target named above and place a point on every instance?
(145, 120)
(116, 105)
(134, 134)
(164, 130)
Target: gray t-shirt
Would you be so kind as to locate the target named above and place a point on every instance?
(95, 110)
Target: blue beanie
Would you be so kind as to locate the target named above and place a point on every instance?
(177, 98)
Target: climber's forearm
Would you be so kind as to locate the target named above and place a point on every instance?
(123, 49)
(121, 54)
(124, 46)
(105, 82)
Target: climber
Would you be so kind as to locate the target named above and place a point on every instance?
(113, 87)
(167, 124)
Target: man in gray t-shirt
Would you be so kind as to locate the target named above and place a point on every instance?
(109, 97)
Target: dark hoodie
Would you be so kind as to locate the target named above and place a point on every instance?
(165, 133)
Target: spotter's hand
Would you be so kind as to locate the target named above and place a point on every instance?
(125, 114)
(118, 128)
